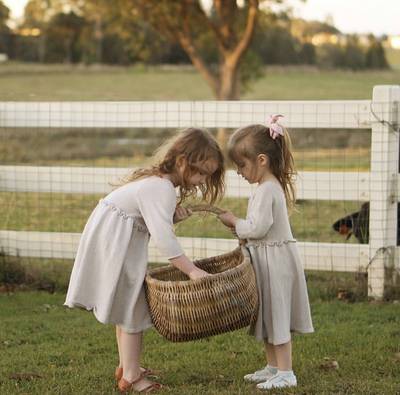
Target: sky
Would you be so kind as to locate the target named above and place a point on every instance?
(349, 16)
(354, 16)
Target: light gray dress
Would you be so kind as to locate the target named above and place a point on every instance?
(111, 261)
(282, 289)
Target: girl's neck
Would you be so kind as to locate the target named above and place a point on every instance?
(267, 176)
(171, 178)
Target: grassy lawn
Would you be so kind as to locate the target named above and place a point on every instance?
(31, 82)
(47, 349)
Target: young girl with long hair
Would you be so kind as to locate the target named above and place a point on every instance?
(263, 156)
(112, 257)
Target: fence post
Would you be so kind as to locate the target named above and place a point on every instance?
(383, 187)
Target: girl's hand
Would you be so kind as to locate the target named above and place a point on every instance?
(228, 219)
(233, 230)
(197, 273)
(181, 213)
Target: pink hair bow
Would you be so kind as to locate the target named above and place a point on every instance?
(275, 129)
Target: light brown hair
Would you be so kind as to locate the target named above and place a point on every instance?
(196, 146)
(253, 140)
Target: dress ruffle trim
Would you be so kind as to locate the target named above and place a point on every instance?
(269, 243)
(137, 221)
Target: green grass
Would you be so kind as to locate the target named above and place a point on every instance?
(24, 82)
(64, 351)
(352, 158)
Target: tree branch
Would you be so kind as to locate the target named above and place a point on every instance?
(243, 44)
(185, 39)
(226, 10)
(207, 21)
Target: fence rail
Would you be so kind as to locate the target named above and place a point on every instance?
(324, 114)
(90, 180)
(316, 256)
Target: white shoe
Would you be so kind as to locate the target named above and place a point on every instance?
(261, 375)
(280, 380)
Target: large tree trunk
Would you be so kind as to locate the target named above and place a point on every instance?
(222, 137)
(229, 89)
(228, 83)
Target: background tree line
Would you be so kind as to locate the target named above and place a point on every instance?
(93, 32)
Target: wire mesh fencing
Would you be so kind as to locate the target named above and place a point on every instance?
(59, 159)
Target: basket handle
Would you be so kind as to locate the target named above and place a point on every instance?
(211, 209)
(205, 207)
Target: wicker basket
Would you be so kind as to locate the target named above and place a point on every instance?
(184, 310)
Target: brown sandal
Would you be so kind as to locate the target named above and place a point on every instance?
(118, 373)
(144, 372)
(126, 386)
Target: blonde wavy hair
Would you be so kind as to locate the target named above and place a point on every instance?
(196, 146)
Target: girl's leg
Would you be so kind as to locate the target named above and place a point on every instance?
(118, 335)
(268, 371)
(130, 347)
(270, 354)
(284, 376)
(283, 353)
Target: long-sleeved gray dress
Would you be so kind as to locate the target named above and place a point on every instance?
(111, 261)
(283, 298)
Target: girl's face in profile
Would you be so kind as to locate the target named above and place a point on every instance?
(251, 171)
(201, 171)
(194, 174)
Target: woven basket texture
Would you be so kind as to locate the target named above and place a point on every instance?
(184, 309)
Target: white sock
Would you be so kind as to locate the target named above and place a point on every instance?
(285, 372)
(272, 368)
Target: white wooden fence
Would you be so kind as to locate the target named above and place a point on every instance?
(380, 186)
